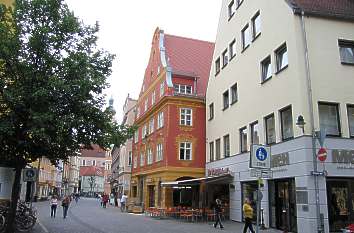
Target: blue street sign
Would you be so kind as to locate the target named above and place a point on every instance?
(260, 157)
(261, 154)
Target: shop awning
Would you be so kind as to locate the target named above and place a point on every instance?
(224, 179)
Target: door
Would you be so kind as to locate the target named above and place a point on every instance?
(151, 189)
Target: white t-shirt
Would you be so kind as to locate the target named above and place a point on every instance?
(123, 198)
(53, 201)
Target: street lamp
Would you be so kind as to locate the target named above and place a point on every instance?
(301, 123)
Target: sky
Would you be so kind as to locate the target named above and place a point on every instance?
(127, 27)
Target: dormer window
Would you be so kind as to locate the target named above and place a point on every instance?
(183, 89)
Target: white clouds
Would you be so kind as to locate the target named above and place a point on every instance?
(127, 27)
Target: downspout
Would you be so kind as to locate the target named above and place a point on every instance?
(312, 122)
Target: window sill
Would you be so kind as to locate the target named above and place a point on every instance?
(230, 17)
(281, 69)
(266, 80)
(256, 36)
(244, 48)
(232, 57)
(233, 102)
(217, 73)
(347, 63)
(224, 66)
(210, 119)
(225, 108)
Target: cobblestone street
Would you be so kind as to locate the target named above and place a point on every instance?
(88, 217)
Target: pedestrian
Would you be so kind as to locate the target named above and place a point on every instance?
(53, 206)
(115, 200)
(65, 204)
(77, 197)
(218, 212)
(248, 214)
(123, 201)
(105, 200)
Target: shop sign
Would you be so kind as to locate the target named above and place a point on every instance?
(280, 160)
(345, 158)
(218, 171)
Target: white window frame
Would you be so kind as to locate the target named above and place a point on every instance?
(145, 105)
(150, 158)
(153, 96)
(162, 88)
(184, 114)
(135, 162)
(151, 125)
(256, 24)
(183, 89)
(136, 136)
(160, 120)
(159, 149)
(142, 159)
(246, 36)
(185, 146)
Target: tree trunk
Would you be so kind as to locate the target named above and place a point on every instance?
(16, 189)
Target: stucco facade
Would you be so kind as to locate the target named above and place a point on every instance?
(312, 76)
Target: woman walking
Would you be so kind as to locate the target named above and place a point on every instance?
(248, 213)
(218, 211)
(65, 203)
(53, 206)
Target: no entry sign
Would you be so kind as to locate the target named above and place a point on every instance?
(322, 154)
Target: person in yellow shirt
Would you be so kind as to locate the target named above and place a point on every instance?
(248, 214)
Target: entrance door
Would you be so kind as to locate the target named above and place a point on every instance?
(283, 205)
(151, 189)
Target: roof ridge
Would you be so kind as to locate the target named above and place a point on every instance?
(189, 38)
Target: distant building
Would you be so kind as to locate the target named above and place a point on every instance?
(91, 180)
(169, 144)
(122, 157)
(71, 175)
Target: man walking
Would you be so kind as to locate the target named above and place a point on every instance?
(218, 211)
(123, 201)
(248, 214)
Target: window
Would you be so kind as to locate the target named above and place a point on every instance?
(226, 146)
(225, 58)
(350, 111)
(256, 25)
(151, 125)
(93, 162)
(238, 3)
(144, 133)
(217, 149)
(162, 89)
(211, 111)
(138, 112)
(232, 49)
(254, 133)
(246, 37)
(83, 162)
(211, 151)
(270, 129)
(159, 150)
(286, 118)
(153, 96)
(231, 9)
(136, 136)
(135, 163)
(160, 120)
(346, 51)
(186, 116)
(266, 69)
(226, 99)
(234, 97)
(329, 118)
(281, 56)
(146, 105)
(149, 157)
(217, 66)
(142, 159)
(185, 151)
(243, 139)
(130, 155)
(183, 89)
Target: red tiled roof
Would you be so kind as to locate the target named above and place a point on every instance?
(91, 171)
(96, 152)
(190, 57)
(341, 9)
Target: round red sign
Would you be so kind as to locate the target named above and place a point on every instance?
(322, 154)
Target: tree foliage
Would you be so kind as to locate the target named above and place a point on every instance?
(52, 78)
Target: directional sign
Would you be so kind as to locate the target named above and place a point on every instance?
(260, 157)
(322, 154)
(29, 175)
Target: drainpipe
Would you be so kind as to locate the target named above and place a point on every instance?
(312, 122)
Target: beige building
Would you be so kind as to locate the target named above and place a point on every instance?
(276, 63)
(71, 175)
(122, 156)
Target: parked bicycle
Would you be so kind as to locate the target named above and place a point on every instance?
(25, 219)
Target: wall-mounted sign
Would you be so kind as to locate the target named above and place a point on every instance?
(218, 171)
(280, 160)
(260, 157)
(344, 158)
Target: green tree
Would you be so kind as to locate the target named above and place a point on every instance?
(52, 78)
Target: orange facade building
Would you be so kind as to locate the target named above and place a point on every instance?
(169, 143)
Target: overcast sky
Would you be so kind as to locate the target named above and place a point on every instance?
(127, 27)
